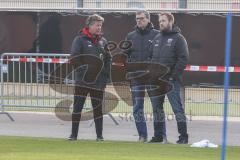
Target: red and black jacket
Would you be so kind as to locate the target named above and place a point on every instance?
(86, 44)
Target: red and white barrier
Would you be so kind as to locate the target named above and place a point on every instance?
(192, 68)
(39, 60)
(212, 68)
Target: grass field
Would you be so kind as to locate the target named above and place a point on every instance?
(22, 148)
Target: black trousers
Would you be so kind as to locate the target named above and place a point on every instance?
(79, 100)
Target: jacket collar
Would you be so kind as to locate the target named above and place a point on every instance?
(174, 30)
(93, 38)
(145, 30)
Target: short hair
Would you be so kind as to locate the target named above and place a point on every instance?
(146, 13)
(169, 15)
(94, 18)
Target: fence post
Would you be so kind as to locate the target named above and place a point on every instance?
(79, 3)
(2, 111)
(182, 96)
(182, 4)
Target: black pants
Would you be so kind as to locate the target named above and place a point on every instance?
(79, 100)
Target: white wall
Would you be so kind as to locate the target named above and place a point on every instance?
(154, 4)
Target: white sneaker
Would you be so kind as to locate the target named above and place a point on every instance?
(165, 141)
(142, 139)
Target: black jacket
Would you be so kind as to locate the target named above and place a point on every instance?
(142, 40)
(87, 45)
(171, 49)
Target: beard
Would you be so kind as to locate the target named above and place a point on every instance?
(165, 28)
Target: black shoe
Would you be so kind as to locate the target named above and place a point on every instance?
(100, 138)
(182, 140)
(72, 138)
(156, 140)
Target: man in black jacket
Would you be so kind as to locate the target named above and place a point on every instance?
(141, 39)
(170, 48)
(92, 69)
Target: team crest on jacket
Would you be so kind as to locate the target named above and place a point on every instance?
(156, 43)
(101, 43)
(150, 41)
(169, 42)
